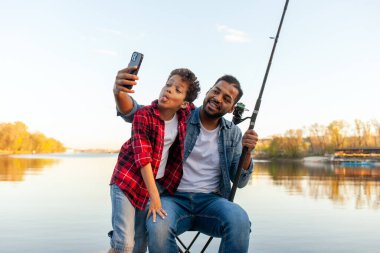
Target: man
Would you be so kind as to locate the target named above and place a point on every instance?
(213, 147)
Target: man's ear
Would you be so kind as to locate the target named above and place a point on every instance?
(184, 104)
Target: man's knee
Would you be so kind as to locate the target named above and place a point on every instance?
(238, 220)
(158, 231)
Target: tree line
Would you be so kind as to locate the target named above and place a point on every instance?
(320, 139)
(15, 138)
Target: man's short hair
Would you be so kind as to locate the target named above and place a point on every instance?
(189, 77)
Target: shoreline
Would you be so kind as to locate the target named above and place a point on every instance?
(307, 159)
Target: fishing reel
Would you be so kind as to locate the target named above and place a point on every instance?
(238, 113)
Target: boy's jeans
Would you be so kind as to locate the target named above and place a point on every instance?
(205, 212)
(128, 223)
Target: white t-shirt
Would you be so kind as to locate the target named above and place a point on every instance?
(201, 170)
(171, 131)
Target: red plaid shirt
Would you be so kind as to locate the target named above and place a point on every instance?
(145, 146)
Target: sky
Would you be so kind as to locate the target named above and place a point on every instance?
(59, 59)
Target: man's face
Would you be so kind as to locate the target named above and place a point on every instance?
(220, 100)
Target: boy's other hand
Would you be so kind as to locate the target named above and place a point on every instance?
(156, 208)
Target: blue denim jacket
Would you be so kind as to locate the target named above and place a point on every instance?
(229, 146)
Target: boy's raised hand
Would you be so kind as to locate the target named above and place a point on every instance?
(123, 78)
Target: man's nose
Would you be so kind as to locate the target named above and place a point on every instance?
(218, 98)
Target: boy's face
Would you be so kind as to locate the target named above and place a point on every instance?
(173, 94)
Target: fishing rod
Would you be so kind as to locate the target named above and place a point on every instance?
(257, 106)
(237, 119)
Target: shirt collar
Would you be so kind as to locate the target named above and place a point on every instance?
(155, 110)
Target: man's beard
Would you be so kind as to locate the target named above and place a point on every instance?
(212, 115)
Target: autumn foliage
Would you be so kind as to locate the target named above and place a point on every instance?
(15, 138)
(320, 140)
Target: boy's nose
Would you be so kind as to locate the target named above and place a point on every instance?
(169, 89)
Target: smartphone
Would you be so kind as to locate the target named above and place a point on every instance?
(136, 60)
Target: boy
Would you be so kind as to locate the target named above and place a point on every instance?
(142, 160)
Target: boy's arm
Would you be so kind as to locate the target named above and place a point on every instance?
(155, 201)
(130, 115)
(142, 149)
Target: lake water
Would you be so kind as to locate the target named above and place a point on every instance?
(60, 203)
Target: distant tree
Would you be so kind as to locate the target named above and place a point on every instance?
(294, 145)
(15, 138)
(362, 134)
(376, 128)
(321, 140)
(337, 134)
(275, 147)
(12, 135)
(317, 139)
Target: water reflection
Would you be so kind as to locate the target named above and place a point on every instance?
(70, 196)
(15, 169)
(356, 186)
(340, 184)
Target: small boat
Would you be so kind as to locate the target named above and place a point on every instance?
(355, 163)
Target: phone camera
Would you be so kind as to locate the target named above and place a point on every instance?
(134, 56)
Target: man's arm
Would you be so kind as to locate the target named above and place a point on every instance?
(249, 140)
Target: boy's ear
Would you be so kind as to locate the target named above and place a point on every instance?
(184, 104)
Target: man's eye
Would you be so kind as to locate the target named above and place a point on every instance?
(227, 100)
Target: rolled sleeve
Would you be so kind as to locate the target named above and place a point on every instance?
(142, 159)
(142, 147)
(129, 116)
(246, 174)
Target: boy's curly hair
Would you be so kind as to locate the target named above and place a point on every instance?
(189, 77)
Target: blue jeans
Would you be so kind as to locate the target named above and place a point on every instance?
(205, 212)
(128, 223)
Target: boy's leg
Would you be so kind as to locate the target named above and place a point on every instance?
(218, 217)
(162, 233)
(123, 221)
(141, 236)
